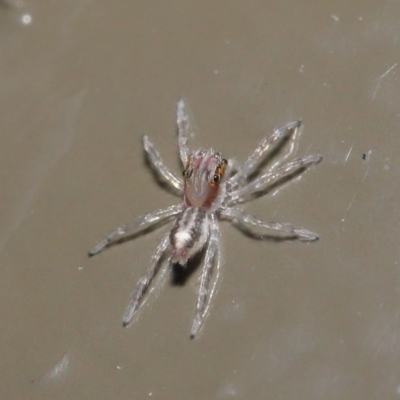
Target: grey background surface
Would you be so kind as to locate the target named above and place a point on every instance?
(82, 81)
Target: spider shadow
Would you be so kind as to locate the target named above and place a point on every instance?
(259, 236)
(181, 273)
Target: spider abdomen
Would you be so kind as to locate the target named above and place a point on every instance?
(189, 234)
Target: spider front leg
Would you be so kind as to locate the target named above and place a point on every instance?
(182, 120)
(254, 159)
(160, 168)
(144, 282)
(242, 220)
(270, 178)
(205, 293)
(139, 222)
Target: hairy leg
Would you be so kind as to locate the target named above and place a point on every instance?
(242, 219)
(159, 166)
(182, 119)
(138, 222)
(266, 180)
(144, 282)
(254, 159)
(204, 292)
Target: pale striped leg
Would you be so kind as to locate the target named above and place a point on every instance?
(205, 292)
(254, 159)
(144, 282)
(182, 119)
(266, 180)
(138, 222)
(160, 167)
(242, 219)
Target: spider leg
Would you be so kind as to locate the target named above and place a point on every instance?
(205, 293)
(159, 166)
(151, 218)
(182, 119)
(231, 169)
(144, 282)
(270, 178)
(242, 220)
(265, 144)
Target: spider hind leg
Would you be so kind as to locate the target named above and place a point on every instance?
(144, 282)
(207, 285)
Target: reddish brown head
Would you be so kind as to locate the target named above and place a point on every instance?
(203, 174)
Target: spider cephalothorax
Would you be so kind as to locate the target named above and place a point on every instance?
(203, 193)
(202, 177)
(210, 189)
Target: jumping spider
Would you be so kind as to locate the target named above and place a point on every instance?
(211, 187)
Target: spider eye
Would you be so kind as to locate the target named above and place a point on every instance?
(187, 173)
(215, 179)
(219, 172)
